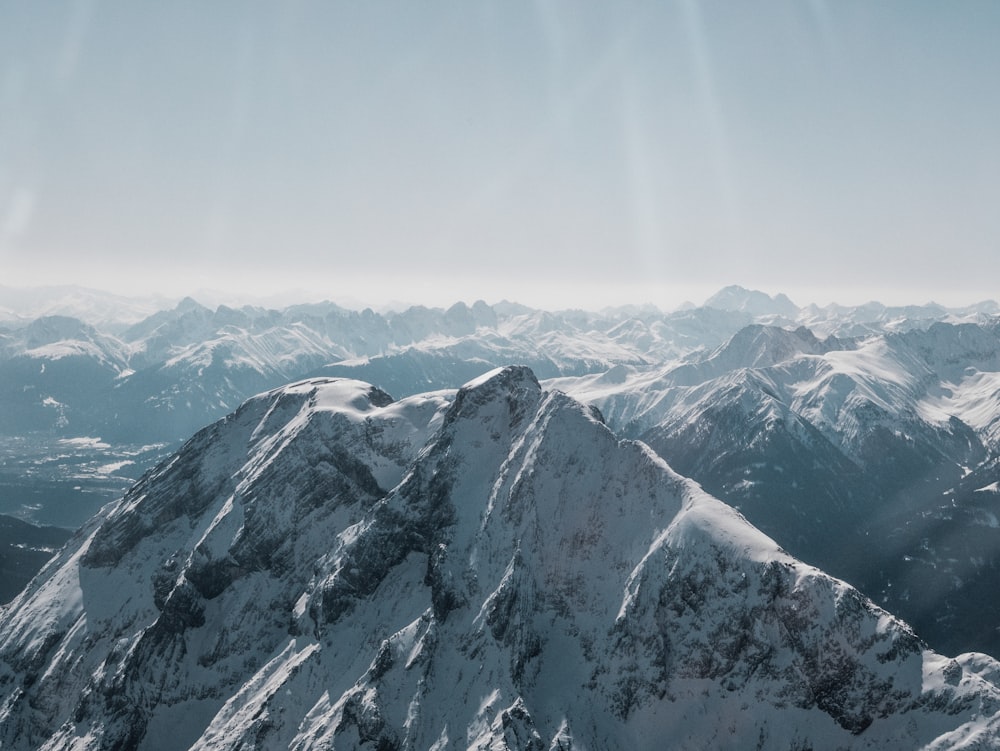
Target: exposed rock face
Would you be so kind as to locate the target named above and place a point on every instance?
(490, 569)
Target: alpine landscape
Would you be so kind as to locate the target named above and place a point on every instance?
(500, 376)
(744, 524)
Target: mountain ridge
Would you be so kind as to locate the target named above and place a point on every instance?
(830, 447)
(529, 580)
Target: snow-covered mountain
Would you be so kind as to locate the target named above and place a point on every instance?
(754, 302)
(138, 390)
(162, 377)
(835, 428)
(488, 568)
(172, 373)
(863, 455)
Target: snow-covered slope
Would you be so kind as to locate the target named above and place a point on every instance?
(490, 568)
(851, 452)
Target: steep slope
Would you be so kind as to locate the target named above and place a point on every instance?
(244, 509)
(844, 451)
(327, 568)
(745, 445)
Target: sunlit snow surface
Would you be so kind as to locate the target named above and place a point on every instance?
(866, 455)
(491, 568)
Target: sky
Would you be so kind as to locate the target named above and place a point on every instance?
(552, 152)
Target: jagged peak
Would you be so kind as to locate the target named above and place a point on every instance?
(507, 376)
(189, 304)
(513, 385)
(509, 380)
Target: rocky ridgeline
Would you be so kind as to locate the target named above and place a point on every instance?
(492, 568)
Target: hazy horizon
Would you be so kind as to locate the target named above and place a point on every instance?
(557, 154)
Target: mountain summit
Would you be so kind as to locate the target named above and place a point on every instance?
(756, 303)
(489, 568)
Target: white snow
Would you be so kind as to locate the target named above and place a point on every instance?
(520, 573)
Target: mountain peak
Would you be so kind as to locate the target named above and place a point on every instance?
(756, 303)
(505, 377)
(188, 304)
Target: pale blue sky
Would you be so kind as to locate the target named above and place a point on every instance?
(578, 152)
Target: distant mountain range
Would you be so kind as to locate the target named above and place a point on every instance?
(166, 375)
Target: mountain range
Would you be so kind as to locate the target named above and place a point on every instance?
(487, 568)
(872, 457)
(534, 503)
(170, 373)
